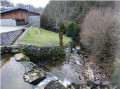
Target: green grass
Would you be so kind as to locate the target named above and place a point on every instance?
(42, 37)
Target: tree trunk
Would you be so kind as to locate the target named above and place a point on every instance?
(61, 40)
(61, 30)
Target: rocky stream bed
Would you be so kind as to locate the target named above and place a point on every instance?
(73, 72)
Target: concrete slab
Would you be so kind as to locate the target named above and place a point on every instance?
(8, 29)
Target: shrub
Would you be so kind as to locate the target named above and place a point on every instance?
(66, 22)
(98, 31)
(25, 58)
(70, 29)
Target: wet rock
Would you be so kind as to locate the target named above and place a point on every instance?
(19, 56)
(72, 86)
(89, 83)
(54, 85)
(84, 87)
(94, 87)
(78, 86)
(104, 87)
(34, 76)
(106, 83)
(76, 59)
(97, 82)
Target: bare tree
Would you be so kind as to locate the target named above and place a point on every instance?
(59, 11)
(31, 7)
(6, 4)
(98, 34)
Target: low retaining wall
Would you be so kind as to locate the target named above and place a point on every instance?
(35, 52)
(10, 49)
(7, 38)
(42, 53)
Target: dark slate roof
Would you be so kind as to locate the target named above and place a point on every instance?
(16, 9)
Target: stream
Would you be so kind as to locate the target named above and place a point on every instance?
(12, 74)
(66, 70)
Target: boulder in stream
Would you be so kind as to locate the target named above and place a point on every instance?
(34, 76)
(54, 85)
(19, 56)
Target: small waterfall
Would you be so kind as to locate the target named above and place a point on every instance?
(65, 82)
(47, 80)
(67, 72)
(78, 62)
(76, 49)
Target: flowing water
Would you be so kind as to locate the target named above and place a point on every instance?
(12, 74)
(67, 72)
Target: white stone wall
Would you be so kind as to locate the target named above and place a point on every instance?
(7, 22)
(34, 21)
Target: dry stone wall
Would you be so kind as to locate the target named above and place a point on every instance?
(7, 38)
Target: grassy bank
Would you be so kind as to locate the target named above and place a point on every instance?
(42, 37)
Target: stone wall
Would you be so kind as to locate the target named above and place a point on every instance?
(7, 22)
(34, 21)
(7, 38)
(10, 49)
(42, 53)
(35, 52)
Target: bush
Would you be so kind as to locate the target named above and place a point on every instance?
(25, 58)
(98, 34)
(70, 29)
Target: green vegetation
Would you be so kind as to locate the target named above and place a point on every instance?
(42, 37)
(45, 53)
(70, 29)
(25, 58)
(73, 11)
